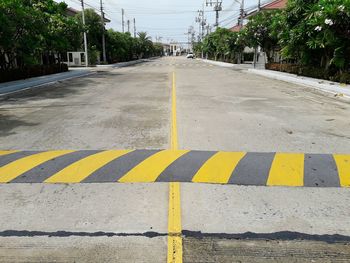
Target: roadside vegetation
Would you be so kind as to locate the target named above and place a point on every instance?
(36, 35)
(310, 38)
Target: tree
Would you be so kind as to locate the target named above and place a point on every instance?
(259, 32)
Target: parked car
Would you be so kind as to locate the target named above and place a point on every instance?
(190, 55)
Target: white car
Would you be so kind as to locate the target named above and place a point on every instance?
(190, 55)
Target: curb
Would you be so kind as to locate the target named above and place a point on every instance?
(318, 84)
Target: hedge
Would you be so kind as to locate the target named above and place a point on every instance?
(312, 72)
(31, 71)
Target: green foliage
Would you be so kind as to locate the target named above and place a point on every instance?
(28, 28)
(222, 43)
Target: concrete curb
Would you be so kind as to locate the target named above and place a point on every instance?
(225, 64)
(20, 86)
(126, 64)
(318, 84)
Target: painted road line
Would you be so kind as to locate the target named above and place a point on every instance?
(219, 168)
(175, 250)
(343, 165)
(287, 170)
(78, 171)
(149, 170)
(117, 168)
(253, 169)
(40, 173)
(18, 167)
(185, 167)
(6, 152)
(141, 166)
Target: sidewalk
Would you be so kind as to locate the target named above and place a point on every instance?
(24, 84)
(335, 88)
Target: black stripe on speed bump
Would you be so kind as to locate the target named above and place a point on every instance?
(320, 170)
(184, 168)
(113, 171)
(40, 173)
(253, 169)
(9, 158)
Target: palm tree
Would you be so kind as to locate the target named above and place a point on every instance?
(145, 44)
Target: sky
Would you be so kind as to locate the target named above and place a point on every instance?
(165, 19)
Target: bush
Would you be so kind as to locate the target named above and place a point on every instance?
(31, 71)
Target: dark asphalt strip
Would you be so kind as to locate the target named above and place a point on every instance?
(26, 233)
(283, 236)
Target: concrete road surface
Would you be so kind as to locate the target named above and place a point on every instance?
(217, 109)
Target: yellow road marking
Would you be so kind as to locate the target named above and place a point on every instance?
(18, 167)
(174, 215)
(218, 168)
(174, 142)
(343, 165)
(149, 170)
(79, 170)
(287, 170)
(6, 152)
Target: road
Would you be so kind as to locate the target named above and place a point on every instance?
(217, 109)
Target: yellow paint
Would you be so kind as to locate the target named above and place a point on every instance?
(174, 225)
(174, 214)
(174, 142)
(149, 170)
(18, 167)
(81, 169)
(6, 152)
(287, 170)
(343, 165)
(218, 168)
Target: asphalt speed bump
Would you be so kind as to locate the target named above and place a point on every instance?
(141, 166)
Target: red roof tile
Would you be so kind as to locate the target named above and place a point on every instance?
(278, 4)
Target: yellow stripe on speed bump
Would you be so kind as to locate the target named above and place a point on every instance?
(219, 168)
(6, 152)
(18, 167)
(287, 170)
(78, 171)
(343, 165)
(149, 170)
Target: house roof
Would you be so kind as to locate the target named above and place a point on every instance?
(236, 28)
(274, 5)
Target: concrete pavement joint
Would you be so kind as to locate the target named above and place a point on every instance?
(27, 233)
(282, 235)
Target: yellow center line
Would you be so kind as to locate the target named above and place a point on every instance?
(174, 216)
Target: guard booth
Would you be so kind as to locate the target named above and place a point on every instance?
(76, 59)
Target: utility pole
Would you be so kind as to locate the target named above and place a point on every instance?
(85, 36)
(217, 8)
(103, 33)
(123, 24)
(134, 28)
(201, 23)
(259, 5)
(128, 23)
(241, 21)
